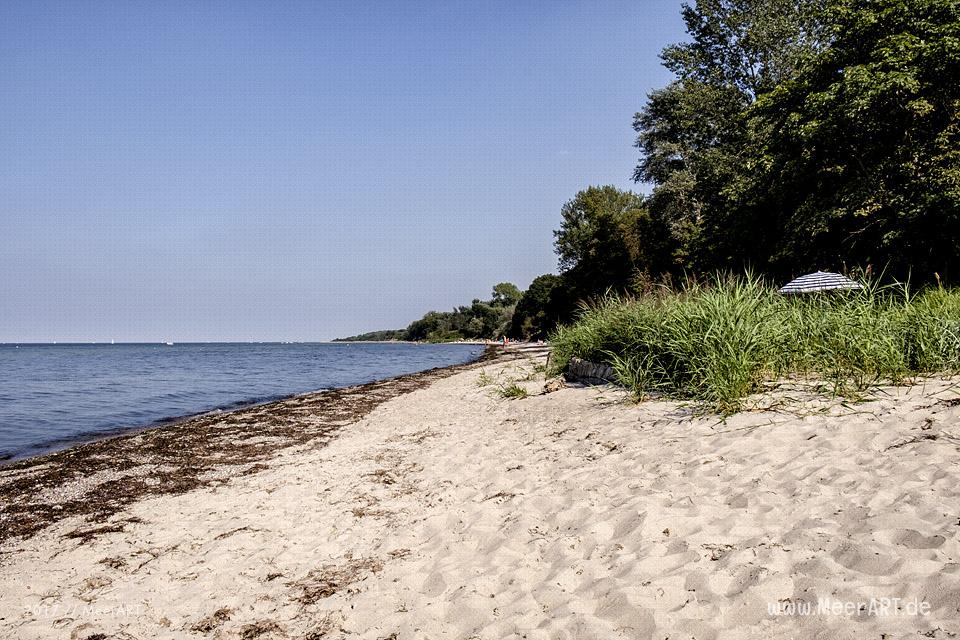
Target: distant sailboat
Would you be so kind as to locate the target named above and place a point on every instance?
(169, 344)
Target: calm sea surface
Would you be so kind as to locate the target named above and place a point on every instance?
(55, 395)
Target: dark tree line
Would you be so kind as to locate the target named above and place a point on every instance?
(483, 319)
(809, 134)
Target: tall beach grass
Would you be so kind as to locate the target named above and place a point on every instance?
(716, 343)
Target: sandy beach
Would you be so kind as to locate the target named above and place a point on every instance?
(431, 507)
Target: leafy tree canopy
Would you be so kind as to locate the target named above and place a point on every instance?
(606, 236)
(544, 305)
(859, 153)
(693, 134)
(506, 294)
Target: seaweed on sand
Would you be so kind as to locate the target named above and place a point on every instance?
(99, 479)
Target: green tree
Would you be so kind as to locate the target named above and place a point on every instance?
(748, 46)
(859, 154)
(606, 237)
(481, 320)
(506, 294)
(694, 133)
(431, 324)
(544, 305)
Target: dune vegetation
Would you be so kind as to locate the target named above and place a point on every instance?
(719, 342)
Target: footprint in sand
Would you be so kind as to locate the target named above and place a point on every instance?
(861, 558)
(434, 585)
(911, 539)
(632, 621)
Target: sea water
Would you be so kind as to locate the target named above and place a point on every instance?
(52, 396)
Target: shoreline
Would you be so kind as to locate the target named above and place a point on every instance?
(80, 439)
(117, 456)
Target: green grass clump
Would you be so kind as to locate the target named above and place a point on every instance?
(716, 343)
(512, 391)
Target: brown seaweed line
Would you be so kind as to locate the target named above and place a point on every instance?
(182, 456)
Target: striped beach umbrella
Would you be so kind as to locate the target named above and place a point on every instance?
(819, 281)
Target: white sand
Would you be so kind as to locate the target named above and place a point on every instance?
(452, 513)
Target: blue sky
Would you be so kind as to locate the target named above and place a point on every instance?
(299, 171)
